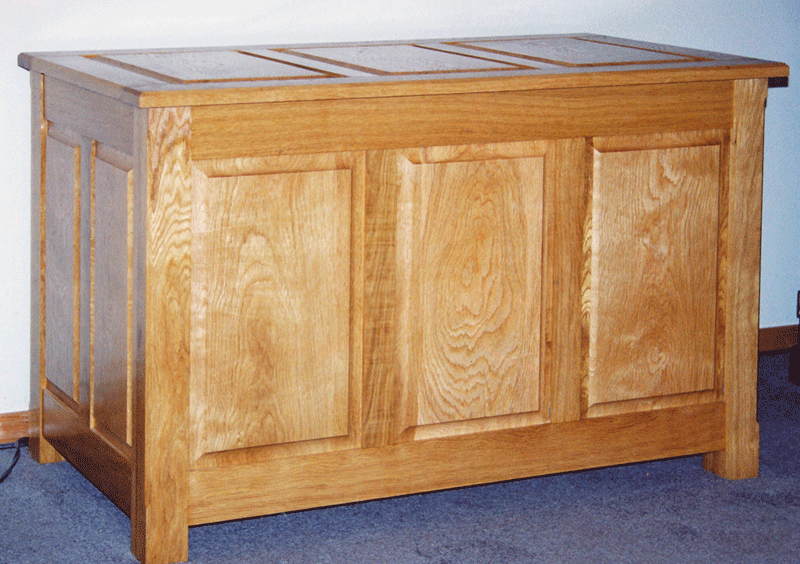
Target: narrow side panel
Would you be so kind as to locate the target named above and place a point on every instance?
(112, 176)
(62, 262)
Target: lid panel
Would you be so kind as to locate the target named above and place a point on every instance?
(403, 59)
(185, 67)
(575, 51)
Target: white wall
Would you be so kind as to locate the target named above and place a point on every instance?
(758, 28)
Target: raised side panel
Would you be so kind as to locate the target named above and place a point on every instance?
(62, 263)
(111, 293)
(273, 361)
(654, 236)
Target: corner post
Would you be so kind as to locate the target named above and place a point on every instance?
(741, 271)
(162, 299)
(40, 449)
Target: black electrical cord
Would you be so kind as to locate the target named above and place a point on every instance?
(18, 445)
(794, 362)
(794, 355)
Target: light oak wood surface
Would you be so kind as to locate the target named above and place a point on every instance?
(270, 278)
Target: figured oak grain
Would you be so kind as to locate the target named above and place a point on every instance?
(654, 272)
(469, 249)
(272, 258)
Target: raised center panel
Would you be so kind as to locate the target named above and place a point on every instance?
(469, 247)
(271, 353)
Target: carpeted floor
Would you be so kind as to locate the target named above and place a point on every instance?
(660, 512)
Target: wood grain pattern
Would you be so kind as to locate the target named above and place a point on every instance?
(413, 121)
(647, 204)
(740, 271)
(566, 210)
(16, 425)
(418, 466)
(159, 530)
(380, 304)
(272, 302)
(469, 249)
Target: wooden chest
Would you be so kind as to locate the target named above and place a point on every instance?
(274, 278)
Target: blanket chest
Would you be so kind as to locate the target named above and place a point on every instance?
(268, 278)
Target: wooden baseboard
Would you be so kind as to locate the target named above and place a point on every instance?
(773, 339)
(14, 425)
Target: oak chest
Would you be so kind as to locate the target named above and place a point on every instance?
(274, 278)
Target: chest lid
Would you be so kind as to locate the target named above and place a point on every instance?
(224, 75)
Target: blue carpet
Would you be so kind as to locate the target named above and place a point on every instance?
(669, 511)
